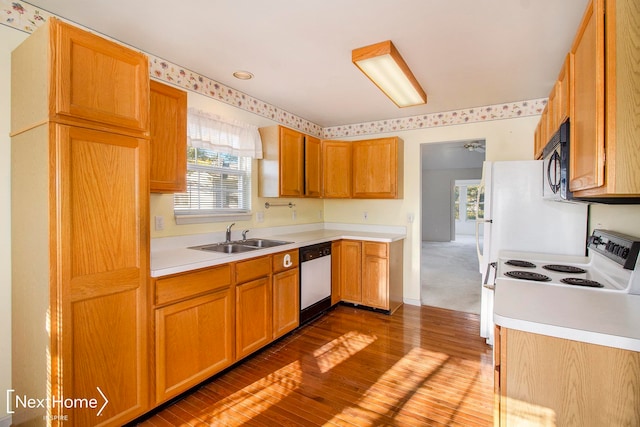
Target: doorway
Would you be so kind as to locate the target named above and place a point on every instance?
(449, 275)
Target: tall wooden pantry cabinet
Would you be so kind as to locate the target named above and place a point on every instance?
(80, 184)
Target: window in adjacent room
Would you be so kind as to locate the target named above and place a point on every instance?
(219, 158)
(466, 205)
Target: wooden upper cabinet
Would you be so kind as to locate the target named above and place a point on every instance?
(87, 80)
(168, 166)
(587, 108)
(605, 114)
(291, 165)
(378, 168)
(336, 160)
(562, 102)
(312, 167)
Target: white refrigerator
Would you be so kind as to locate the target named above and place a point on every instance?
(517, 218)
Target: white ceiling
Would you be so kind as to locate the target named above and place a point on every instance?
(465, 53)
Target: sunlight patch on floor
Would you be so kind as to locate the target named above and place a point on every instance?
(340, 349)
(285, 380)
(395, 387)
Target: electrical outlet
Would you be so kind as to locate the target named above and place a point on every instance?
(410, 218)
(260, 216)
(159, 223)
(294, 214)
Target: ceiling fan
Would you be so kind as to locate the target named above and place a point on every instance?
(475, 146)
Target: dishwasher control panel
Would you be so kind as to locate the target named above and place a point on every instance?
(312, 252)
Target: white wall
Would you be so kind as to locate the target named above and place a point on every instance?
(9, 39)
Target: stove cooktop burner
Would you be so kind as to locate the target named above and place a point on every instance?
(520, 263)
(564, 268)
(582, 282)
(528, 275)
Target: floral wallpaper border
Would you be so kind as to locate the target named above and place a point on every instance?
(457, 117)
(26, 17)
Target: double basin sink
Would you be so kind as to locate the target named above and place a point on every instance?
(239, 246)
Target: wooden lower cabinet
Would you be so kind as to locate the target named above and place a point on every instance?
(351, 271)
(253, 316)
(543, 380)
(194, 340)
(286, 293)
(371, 273)
(336, 272)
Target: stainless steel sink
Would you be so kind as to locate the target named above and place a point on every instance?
(227, 248)
(240, 246)
(263, 243)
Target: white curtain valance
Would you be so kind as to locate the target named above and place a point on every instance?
(210, 131)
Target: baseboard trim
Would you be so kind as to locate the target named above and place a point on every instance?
(411, 301)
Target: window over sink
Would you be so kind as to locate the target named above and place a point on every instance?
(220, 153)
(217, 184)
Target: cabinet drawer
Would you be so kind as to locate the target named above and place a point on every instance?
(279, 261)
(253, 269)
(187, 285)
(375, 249)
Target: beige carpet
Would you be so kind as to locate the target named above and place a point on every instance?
(449, 275)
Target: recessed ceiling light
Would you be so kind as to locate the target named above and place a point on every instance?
(243, 75)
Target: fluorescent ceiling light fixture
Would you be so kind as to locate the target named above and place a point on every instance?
(382, 63)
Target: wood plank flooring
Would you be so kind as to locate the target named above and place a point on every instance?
(421, 366)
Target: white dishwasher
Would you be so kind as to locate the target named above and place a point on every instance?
(315, 280)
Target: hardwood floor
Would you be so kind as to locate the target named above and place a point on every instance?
(422, 366)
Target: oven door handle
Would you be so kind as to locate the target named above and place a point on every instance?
(494, 266)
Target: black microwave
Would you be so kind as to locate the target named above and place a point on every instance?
(556, 165)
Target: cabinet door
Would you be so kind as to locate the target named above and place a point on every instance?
(563, 92)
(253, 316)
(351, 271)
(102, 230)
(194, 340)
(554, 381)
(587, 101)
(375, 275)
(375, 168)
(286, 302)
(336, 272)
(312, 167)
(98, 80)
(168, 166)
(291, 163)
(336, 163)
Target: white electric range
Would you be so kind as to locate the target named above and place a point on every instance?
(609, 266)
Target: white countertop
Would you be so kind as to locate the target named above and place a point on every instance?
(172, 254)
(581, 314)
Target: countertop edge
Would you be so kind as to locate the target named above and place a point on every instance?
(590, 337)
(189, 261)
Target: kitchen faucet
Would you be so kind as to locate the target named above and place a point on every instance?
(244, 234)
(228, 235)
